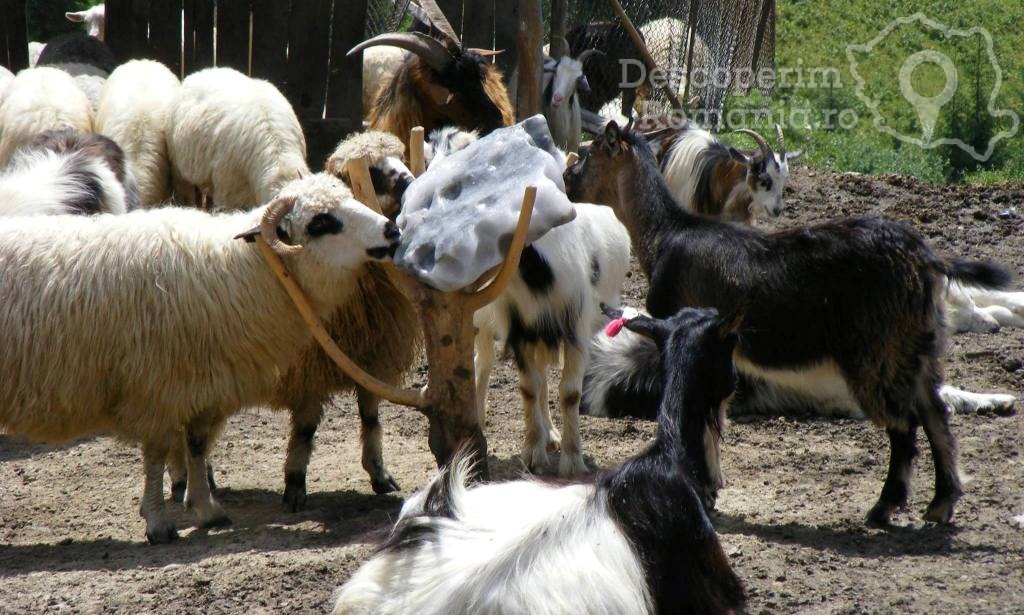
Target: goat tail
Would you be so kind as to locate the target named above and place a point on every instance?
(983, 274)
(623, 377)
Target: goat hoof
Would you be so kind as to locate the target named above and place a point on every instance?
(294, 498)
(161, 535)
(383, 485)
(879, 515)
(218, 521)
(178, 491)
(939, 512)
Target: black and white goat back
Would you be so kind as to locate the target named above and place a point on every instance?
(518, 547)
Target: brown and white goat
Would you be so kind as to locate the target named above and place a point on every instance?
(713, 179)
(441, 83)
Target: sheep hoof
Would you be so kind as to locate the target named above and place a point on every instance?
(294, 498)
(178, 491)
(218, 521)
(879, 515)
(940, 512)
(384, 485)
(161, 535)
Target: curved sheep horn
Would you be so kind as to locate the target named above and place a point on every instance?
(430, 50)
(272, 216)
(587, 53)
(781, 140)
(766, 150)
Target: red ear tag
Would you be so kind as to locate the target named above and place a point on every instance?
(612, 329)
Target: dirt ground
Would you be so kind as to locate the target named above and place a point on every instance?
(791, 517)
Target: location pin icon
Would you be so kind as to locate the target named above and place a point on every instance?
(928, 107)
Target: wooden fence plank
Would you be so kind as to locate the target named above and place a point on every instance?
(119, 35)
(345, 76)
(188, 37)
(308, 46)
(139, 38)
(270, 41)
(17, 36)
(165, 33)
(233, 34)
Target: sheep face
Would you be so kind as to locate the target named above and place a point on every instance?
(334, 227)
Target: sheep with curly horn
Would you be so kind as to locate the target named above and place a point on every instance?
(441, 83)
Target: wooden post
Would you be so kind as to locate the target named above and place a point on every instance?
(559, 15)
(627, 23)
(417, 162)
(531, 60)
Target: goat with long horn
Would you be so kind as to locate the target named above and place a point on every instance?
(441, 83)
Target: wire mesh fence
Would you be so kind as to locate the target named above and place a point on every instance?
(729, 43)
(385, 16)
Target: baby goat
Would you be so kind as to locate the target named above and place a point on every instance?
(637, 540)
(850, 311)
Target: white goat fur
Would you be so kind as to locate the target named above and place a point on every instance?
(982, 310)
(234, 137)
(94, 19)
(595, 236)
(133, 112)
(6, 77)
(181, 319)
(379, 64)
(39, 99)
(508, 549)
(38, 182)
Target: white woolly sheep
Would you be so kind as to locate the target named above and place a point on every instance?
(174, 312)
(383, 152)
(133, 111)
(66, 171)
(6, 77)
(234, 137)
(39, 99)
(379, 64)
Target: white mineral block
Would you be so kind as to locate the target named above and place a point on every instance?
(458, 218)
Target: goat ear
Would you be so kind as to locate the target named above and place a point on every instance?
(794, 155)
(739, 156)
(612, 138)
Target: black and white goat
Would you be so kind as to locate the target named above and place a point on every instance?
(713, 179)
(550, 307)
(637, 540)
(848, 311)
(65, 171)
(564, 82)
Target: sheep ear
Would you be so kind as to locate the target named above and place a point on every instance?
(78, 17)
(249, 236)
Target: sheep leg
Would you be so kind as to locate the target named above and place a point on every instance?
(306, 417)
(535, 442)
(199, 497)
(483, 365)
(934, 419)
(896, 490)
(177, 469)
(372, 436)
(569, 390)
(159, 527)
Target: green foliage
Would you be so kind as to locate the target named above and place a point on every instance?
(46, 17)
(814, 34)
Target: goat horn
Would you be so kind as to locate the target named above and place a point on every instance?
(766, 150)
(782, 141)
(272, 216)
(439, 21)
(587, 53)
(430, 50)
